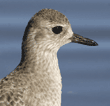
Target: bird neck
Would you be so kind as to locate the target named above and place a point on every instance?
(39, 61)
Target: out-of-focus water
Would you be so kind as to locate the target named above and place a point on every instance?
(85, 69)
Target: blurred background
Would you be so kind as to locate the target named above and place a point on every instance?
(85, 69)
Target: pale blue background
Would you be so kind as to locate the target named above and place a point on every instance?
(85, 69)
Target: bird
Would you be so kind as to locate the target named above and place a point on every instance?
(37, 81)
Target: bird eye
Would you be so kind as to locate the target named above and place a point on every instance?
(57, 29)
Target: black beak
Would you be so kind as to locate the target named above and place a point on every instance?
(85, 41)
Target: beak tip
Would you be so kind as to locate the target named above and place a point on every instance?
(95, 44)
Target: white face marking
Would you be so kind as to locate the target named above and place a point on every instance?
(46, 29)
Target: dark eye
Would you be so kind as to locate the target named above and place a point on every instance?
(57, 29)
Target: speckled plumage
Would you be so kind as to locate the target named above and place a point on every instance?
(36, 81)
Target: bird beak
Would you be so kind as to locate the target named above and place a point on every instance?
(80, 39)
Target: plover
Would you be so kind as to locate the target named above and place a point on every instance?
(37, 81)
